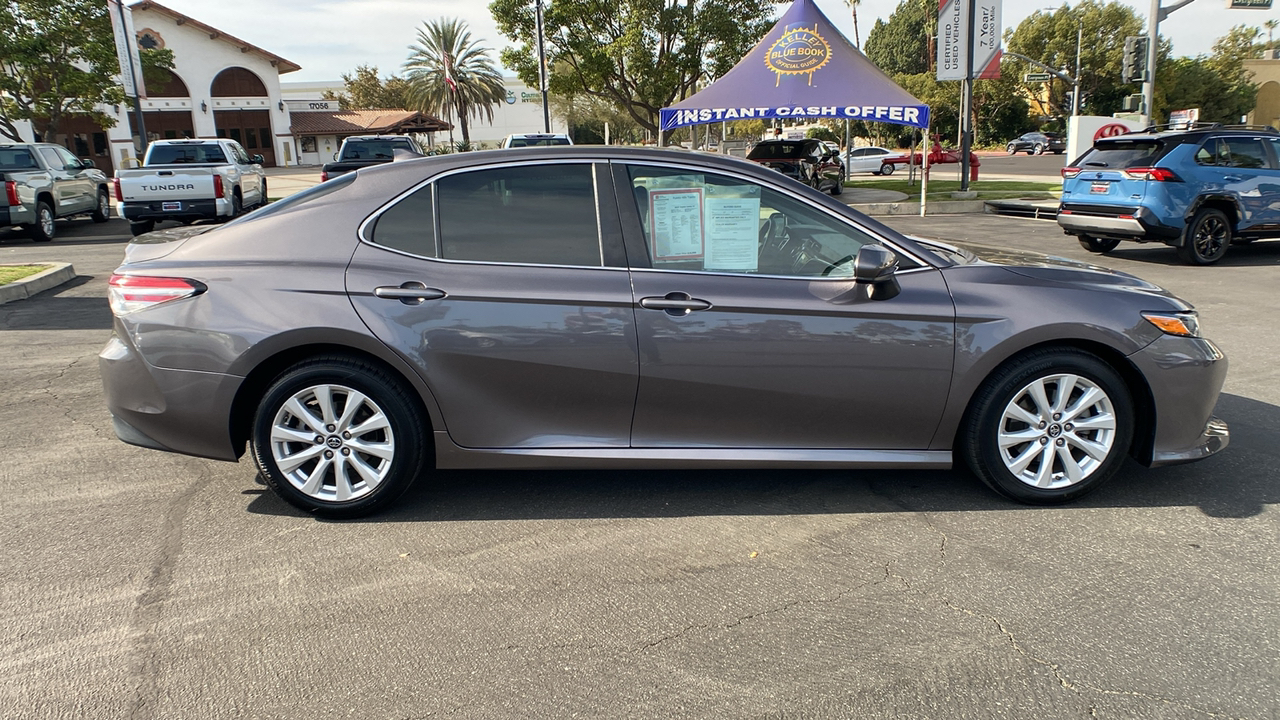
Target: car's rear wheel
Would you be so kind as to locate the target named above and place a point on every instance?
(1098, 245)
(102, 212)
(1049, 427)
(142, 227)
(338, 437)
(43, 228)
(1207, 238)
(887, 168)
(1037, 149)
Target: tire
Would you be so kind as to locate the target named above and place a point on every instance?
(1098, 245)
(237, 205)
(887, 168)
(102, 212)
(1012, 149)
(1206, 238)
(838, 188)
(318, 476)
(1037, 149)
(262, 196)
(1056, 462)
(43, 229)
(142, 227)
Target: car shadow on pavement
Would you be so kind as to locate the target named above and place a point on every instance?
(52, 310)
(1260, 253)
(1239, 483)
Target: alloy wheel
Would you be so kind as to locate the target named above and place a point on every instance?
(46, 221)
(1211, 236)
(1057, 431)
(332, 443)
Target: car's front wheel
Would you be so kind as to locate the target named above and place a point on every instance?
(338, 437)
(1049, 427)
(1012, 149)
(1098, 245)
(1207, 238)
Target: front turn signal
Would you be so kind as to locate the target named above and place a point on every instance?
(1181, 324)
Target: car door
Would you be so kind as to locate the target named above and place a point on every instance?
(858, 161)
(752, 332)
(1243, 169)
(507, 287)
(81, 179)
(67, 189)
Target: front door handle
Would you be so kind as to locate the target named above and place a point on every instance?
(675, 303)
(1232, 178)
(410, 293)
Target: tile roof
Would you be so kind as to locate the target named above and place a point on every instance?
(359, 122)
(279, 63)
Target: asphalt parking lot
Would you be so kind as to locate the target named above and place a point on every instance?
(144, 585)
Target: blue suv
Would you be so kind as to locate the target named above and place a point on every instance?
(1198, 190)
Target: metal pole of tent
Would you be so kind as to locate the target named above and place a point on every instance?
(848, 142)
(924, 176)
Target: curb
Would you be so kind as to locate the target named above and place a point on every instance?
(937, 207)
(57, 274)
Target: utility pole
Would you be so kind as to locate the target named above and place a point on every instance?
(1153, 35)
(966, 103)
(1075, 89)
(542, 72)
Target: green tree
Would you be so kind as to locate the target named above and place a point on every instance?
(639, 55)
(587, 115)
(1050, 37)
(57, 59)
(448, 71)
(366, 91)
(902, 45)
(1218, 84)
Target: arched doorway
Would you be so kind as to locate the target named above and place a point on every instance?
(1267, 109)
(249, 127)
(168, 124)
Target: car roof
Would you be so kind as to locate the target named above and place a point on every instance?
(1155, 132)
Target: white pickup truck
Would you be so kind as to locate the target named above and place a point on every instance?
(189, 180)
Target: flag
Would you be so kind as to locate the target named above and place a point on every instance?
(448, 73)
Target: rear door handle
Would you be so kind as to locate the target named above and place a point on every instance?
(1232, 178)
(675, 303)
(410, 293)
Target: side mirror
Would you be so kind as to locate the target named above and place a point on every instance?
(258, 159)
(86, 163)
(335, 156)
(876, 266)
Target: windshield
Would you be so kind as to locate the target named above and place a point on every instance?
(776, 150)
(17, 159)
(1122, 154)
(538, 141)
(374, 149)
(178, 154)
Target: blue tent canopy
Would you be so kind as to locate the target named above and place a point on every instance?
(803, 67)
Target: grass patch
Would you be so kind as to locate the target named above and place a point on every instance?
(12, 273)
(985, 188)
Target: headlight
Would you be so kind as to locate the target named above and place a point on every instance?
(1183, 324)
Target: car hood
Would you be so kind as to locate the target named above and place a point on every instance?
(1035, 265)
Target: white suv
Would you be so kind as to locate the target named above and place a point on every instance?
(535, 140)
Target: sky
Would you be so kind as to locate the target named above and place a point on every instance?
(330, 37)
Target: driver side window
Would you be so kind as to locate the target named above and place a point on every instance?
(694, 221)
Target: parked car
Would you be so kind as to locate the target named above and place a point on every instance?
(1036, 143)
(606, 307)
(875, 160)
(189, 180)
(1198, 191)
(806, 161)
(42, 182)
(520, 140)
(361, 151)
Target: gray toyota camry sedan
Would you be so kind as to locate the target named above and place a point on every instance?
(605, 307)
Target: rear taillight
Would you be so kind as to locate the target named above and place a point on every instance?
(217, 186)
(115, 183)
(1157, 174)
(130, 293)
(11, 193)
(324, 176)
(1070, 172)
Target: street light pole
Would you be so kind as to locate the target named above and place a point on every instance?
(1075, 90)
(542, 73)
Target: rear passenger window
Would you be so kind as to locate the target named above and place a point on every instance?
(539, 214)
(1243, 152)
(410, 225)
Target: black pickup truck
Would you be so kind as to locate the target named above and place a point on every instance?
(360, 151)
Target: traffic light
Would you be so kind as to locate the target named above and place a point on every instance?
(1135, 59)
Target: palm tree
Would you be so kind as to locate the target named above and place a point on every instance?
(449, 72)
(853, 6)
(1271, 26)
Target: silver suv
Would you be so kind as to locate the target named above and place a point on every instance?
(40, 182)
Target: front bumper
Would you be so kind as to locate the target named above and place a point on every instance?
(1185, 376)
(182, 411)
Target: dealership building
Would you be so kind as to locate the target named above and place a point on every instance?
(222, 86)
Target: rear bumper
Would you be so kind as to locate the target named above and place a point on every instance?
(186, 210)
(16, 215)
(1117, 222)
(180, 411)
